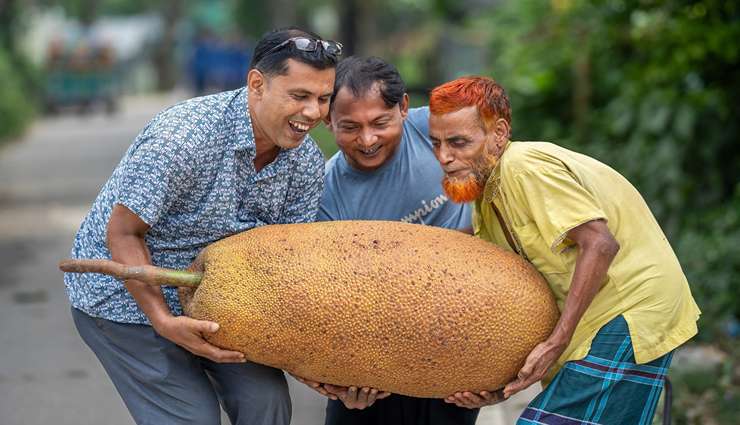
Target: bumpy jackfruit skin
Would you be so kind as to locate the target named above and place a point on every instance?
(405, 308)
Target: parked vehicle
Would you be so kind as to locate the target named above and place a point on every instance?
(82, 76)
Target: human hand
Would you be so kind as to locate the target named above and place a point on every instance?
(357, 398)
(316, 386)
(539, 361)
(189, 334)
(475, 401)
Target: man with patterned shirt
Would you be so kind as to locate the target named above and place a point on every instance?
(202, 170)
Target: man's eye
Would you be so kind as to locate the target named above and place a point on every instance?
(324, 99)
(299, 96)
(382, 124)
(349, 127)
(459, 143)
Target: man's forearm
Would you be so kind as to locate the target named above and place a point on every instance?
(132, 250)
(592, 264)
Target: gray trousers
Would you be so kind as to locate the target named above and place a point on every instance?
(162, 383)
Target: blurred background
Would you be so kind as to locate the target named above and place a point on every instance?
(650, 87)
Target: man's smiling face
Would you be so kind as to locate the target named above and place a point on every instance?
(285, 107)
(366, 130)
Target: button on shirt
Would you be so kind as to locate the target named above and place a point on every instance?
(190, 176)
(543, 191)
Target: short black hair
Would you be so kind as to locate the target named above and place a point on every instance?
(359, 74)
(276, 62)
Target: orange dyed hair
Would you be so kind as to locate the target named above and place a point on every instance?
(483, 92)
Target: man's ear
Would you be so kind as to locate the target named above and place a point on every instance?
(404, 105)
(327, 121)
(256, 83)
(501, 131)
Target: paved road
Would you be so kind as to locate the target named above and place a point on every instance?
(47, 182)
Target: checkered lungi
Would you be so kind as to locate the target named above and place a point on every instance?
(606, 387)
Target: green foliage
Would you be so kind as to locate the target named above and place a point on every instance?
(89, 10)
(709, 247)
(252, 17)
(325, 140)
(16, 110)
(649, 87)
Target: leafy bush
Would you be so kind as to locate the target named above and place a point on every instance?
(16, 110)
(650, 88)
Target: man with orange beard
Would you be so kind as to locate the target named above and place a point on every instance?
(624, 300)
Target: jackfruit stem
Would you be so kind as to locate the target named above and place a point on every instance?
(151, 275)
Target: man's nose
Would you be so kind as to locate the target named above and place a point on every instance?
(367, 137)
(312, 111)
(444, 155)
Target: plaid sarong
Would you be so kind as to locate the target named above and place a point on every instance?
(606, 387)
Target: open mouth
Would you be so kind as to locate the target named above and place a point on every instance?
(299, 128)
(371, 151)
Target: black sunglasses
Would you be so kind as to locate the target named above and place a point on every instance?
(305, 44)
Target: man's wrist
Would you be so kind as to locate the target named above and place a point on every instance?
(158, 319)
(558, 340)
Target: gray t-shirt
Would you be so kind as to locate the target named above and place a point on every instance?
(406, 188)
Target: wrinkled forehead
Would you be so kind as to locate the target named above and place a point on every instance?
(463, 120)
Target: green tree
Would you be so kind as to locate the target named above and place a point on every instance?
(649, 87)
(18, 79)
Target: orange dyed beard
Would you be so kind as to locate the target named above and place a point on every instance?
(470, 187)
(463, 190)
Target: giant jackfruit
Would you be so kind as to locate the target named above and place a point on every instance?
(405, 308)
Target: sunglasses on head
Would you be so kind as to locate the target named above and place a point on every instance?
(305, 44)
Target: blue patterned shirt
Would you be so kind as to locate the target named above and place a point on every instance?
(190, 176)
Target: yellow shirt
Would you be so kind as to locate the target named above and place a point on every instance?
(542, 191)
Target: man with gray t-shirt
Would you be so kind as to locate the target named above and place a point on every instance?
(385, 170)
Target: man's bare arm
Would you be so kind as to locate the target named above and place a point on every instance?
(596, 251)
(125, 237)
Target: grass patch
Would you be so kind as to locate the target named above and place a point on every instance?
(325, 140)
